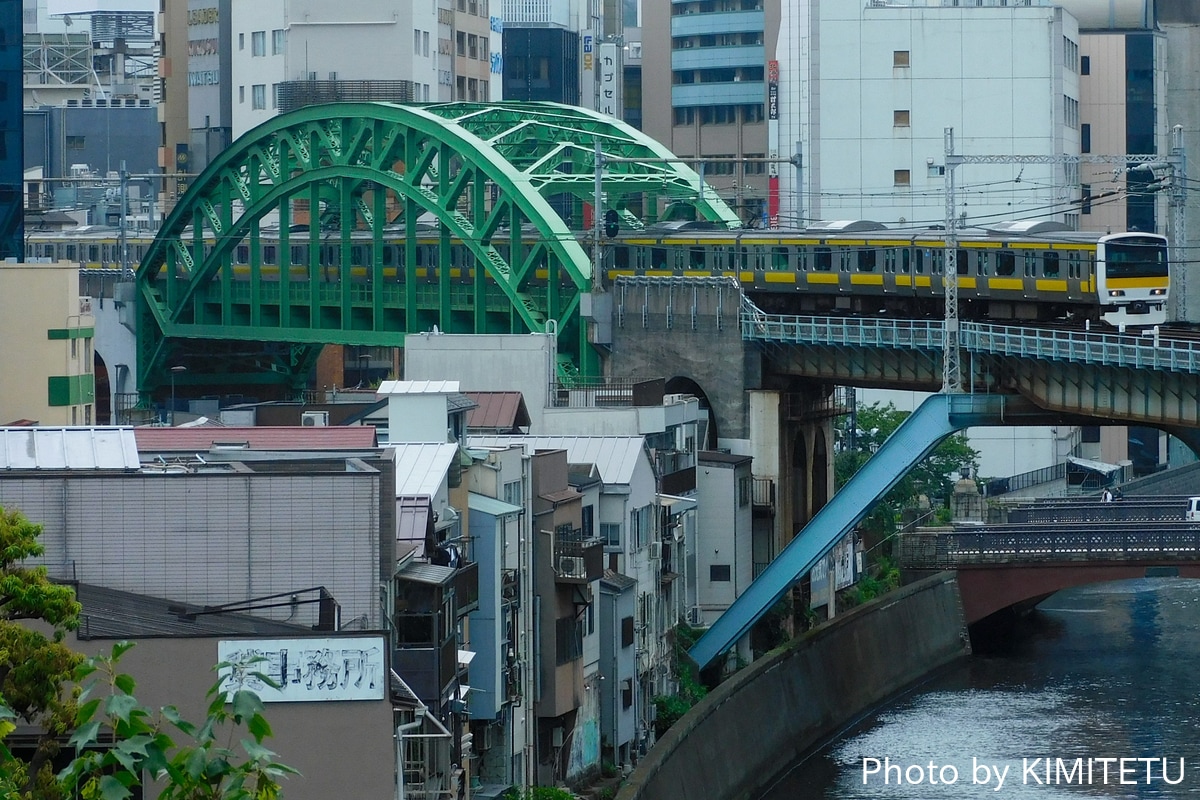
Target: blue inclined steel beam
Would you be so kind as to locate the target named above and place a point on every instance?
(935, 419)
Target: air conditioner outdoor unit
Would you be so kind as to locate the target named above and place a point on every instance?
(571, 566)
(694, 615)
(314, 419)
(656, 550)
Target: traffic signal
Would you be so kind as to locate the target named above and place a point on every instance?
(612, 223)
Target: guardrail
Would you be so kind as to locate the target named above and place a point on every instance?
(1176, 542)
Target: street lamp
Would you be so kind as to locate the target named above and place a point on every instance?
(175, 370)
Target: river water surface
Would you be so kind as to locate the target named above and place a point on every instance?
(1108, 671)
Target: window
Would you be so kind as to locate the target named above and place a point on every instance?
(472, 46)
(258, 43)
(640, 521)
(1070, 112)
(900, 58)
(744, 490)
(1089, 434)
(75, 142)
(1085, 138)
(425, 45)
(258, 98)
(685, 116)
(460, 43)
(900, 119)
(1085, 65)
(416, 42)
(1085, 203)
(901, 177)
(274, 95)
(568, 635)
(277, 42)
(718, 572)
(241, 94)
(241, 41)
(627, 630)
(611, 534)
(512, 493)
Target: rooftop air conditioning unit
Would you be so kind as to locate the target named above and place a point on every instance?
(571, 566)
(314, 419)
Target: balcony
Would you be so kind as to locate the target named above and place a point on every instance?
(718, 22)
(714, 94)
(578, 560)
(752, 55)
(763, 495)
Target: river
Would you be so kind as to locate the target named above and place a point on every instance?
(1108, 671)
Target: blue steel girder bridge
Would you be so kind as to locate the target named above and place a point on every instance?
(243, 285)
(1018, 376)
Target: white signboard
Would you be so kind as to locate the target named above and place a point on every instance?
(335, 668)
(55, 8)
(610, 81)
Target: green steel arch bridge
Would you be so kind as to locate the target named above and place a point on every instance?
(219, 292)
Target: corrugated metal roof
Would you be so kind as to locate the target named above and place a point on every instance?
(460, 402)
(68, 448)
(112, 614)
(498, 411)
(615, 457)
(416, 387)
(262, 437)
(616, 580)
(421, 467)
(423, 572)
(490, 505)
(413, 521)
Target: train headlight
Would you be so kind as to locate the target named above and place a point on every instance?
(1157, 292)
(1116, 292)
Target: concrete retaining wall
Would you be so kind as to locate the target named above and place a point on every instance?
(775, 711)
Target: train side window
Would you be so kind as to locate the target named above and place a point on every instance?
(48, 251)
(822, 259)
(269, 254)
(658, 258)
(243, 254)
(93, 252)
(760, 259)
(356, 254)
(983, 263)
(299, 254)
(696, 257)
(802, 259)
(779, 258)
(70, 253)
(389, 255)
(1050, 264)
(743, 258)
(866, 259)
(889, 261)
(1006, 263)
(844, 260)
(1073, 270)
(962, 265)
(621, 257)
(1030, 268)
(937, 264)
(678, 258)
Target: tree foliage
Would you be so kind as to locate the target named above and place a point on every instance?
(36, 665)
(930, 477)
(87, 704)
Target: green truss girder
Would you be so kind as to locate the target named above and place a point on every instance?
(356, 172)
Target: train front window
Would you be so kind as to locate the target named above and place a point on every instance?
(1135, 257)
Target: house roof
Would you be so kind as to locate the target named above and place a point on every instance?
(260, 437)
(421, 466)
(490, 505)
(416, 387)
(498, 411)
(113, 614)
(615, 457)
(616, 580)
(68, 448)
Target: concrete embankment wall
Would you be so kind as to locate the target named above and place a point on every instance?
(778, 709)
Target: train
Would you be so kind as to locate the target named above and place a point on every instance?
(1009, 272)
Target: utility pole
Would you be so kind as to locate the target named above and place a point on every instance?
(597, 284)
(1176, 163)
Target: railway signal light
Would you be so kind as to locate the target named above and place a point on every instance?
(612, 223)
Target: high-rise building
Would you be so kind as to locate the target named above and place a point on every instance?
(12, 166)
(704, 91)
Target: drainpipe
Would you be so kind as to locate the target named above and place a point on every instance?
(401, 730)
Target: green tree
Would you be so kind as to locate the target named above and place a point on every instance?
(88, 705)
(36, 668)
(930, 477)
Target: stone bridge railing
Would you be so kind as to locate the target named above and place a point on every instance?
(1114, 542)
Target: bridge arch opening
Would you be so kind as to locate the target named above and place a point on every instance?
(709, 432)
